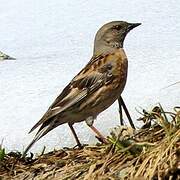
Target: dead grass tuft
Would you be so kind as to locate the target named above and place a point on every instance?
(152, 152)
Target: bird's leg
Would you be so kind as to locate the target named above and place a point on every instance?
(121, 103)
(120, 113)
(89, 122)
(75, 135)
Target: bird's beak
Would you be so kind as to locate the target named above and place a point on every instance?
(133, 25)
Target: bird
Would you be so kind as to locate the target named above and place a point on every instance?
(95, 88)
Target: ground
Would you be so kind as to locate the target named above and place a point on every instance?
(151, 152)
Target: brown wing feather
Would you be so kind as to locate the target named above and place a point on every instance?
(82, 85)
(96, 74)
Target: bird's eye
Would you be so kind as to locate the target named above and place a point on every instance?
(118, 27)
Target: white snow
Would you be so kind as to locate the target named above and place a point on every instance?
(53, 40)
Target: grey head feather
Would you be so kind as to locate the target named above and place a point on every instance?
(111, 36)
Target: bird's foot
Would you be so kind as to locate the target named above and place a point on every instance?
(102, 139)
(79, 146)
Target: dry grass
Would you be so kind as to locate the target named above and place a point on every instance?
(152, 152)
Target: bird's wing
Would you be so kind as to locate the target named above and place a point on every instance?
(83, 85)
(95, 74)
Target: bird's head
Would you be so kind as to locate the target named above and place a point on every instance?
(112, 35)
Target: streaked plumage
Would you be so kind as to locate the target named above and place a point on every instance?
(95, 87)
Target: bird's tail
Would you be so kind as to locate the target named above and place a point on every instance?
(39, 135)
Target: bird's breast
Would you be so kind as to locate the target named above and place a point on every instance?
(119, 68)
